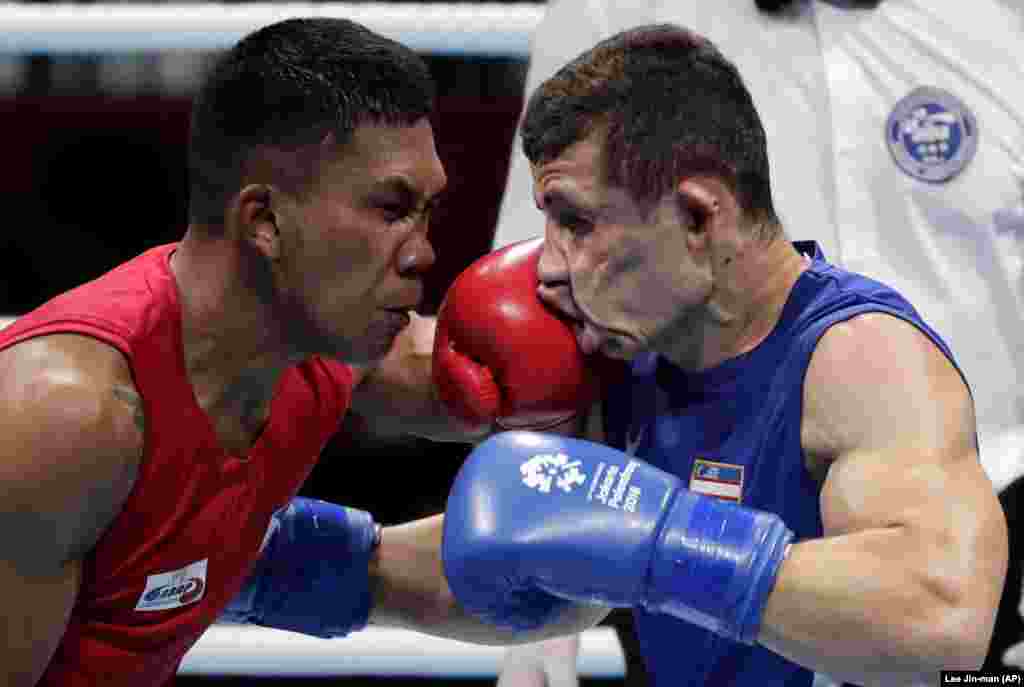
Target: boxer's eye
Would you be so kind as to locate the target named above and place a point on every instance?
(394, 212)
(576, 224)
(565, 213)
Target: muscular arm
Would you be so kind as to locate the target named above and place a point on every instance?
(397, 395)
(68, 454)
(409, 588)
(908, 575)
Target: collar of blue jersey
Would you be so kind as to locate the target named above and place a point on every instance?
(811, 249)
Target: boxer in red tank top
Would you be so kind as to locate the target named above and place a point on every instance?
(157, 422)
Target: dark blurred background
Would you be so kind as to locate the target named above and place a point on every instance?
(93, 173)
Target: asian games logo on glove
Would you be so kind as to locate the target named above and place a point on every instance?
(545, 469)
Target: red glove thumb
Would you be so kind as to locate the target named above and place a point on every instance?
(465, 386)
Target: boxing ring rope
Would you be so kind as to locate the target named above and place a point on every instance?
(241, 650)
(231, 650)
(481, 29)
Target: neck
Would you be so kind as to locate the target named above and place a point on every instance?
(234, 348)
(747, 298)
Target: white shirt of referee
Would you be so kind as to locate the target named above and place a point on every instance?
(896, 141)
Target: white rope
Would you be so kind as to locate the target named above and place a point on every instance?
(243, 650)
(486, 29)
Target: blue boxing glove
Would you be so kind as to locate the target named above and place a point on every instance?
(313, 574)
(535, 521)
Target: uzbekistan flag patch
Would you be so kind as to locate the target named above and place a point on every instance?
(722, 480)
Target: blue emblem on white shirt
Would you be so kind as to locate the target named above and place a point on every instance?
(931, 134)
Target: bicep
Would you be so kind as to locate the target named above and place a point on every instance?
(68, 454)
(890, 414)
(897, 421)
(37, 605)
(40, 568)
(70, 447)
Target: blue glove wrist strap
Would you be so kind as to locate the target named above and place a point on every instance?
(715, 564)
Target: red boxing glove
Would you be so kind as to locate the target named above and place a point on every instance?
(501, 356)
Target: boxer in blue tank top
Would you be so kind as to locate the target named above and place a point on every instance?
(747, 450)
(787, 481)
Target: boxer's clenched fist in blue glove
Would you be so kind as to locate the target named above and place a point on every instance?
(537, 521)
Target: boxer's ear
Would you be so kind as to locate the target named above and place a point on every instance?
(700, 201)
(257, 220)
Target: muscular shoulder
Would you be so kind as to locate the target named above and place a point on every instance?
(72, 441)
(877, 380)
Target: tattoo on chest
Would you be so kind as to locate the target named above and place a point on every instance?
(251, 396)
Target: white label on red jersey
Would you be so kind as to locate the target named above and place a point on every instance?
(174, 589)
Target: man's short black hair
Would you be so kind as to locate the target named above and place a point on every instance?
(289, 85)
(667, 104)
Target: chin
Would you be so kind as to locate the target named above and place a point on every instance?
(375, 355)
(370, 348)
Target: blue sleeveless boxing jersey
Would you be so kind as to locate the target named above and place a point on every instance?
(733, 431)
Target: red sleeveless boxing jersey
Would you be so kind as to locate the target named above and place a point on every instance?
(194, 522)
